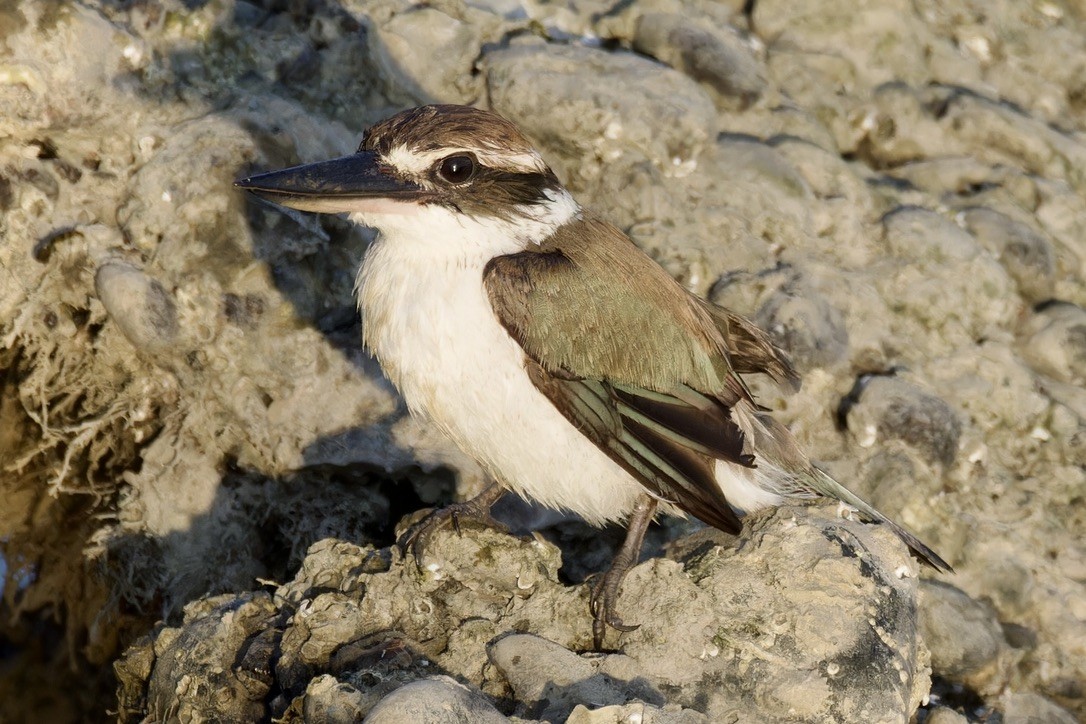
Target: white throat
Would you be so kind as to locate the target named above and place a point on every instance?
(427, 260)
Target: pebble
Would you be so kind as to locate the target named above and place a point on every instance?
(890, 408)
(963, 635)
(140, 306)
(807, 326)
(1026, 255)
(1054, 342)
(434, 700)
(716, 57)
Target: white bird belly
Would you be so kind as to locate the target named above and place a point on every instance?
(438, 340)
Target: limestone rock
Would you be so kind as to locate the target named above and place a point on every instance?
(1055, 342)
(551, 681)
(646, 713)
(964, 637)
(377, 622)
(1028, 257)
(440, 700)
(186, 410)
(452, 35)
(582, 102)
(891, 408)
(716, 57)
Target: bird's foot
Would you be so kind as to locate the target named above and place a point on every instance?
(476, 510)
(605, 590)
(602, 604)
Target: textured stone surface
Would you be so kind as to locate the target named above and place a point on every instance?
(639, 712)
(890, 408)
(966, 641)
(185, 409)
(632, 106)
(810, 615)
(551, 681)
(716, 57)
(440, 700)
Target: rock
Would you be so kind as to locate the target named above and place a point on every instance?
(1030, 708)
(639, 712)
(183, 187)
(444, 74)
(140, 306)
(376, 622)
(551, 680)
(944, 277)
(778, 597)
(882, 41)
(957, 179)
(762, 165)
(219, 666)
(898, 127)
(716, 57)
(1026, 255)
(1002, 133)
(440, 699)
(581, 102)
(806, 326)
(916, 233)
(945, 715)
(891, 408)
(1054, 342)
(328, 701)
(334, 622)
(964, 637)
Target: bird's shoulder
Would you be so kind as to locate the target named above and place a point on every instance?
(589, 302)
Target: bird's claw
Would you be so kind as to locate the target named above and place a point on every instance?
(602, 605)
(605, 590)
(476, 510)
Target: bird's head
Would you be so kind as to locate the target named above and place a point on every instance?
(429, 164)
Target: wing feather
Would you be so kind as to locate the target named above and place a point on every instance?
(750, 349)
(646, 374)
(669, 466)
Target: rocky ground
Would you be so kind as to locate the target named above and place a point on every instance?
(190, 433)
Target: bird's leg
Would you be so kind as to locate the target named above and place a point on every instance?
(477, 509)
(605, 591)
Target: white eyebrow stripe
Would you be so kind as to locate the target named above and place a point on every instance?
(415, 163)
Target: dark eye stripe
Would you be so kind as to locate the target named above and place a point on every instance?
(494, 192)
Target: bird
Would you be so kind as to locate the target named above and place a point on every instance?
(551, 349)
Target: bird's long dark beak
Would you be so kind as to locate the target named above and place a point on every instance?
(342, 184)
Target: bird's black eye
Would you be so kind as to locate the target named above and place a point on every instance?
(457, 169)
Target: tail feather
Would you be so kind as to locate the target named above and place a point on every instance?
(829, 487)
(775, 447)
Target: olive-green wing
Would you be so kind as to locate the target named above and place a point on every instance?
(629, 357)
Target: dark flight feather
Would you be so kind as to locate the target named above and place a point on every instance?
(750, 349)
(667, 465)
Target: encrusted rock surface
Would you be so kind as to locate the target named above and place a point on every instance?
(809, 616)
(191, 434)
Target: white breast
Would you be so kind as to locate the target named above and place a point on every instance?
(428, 320)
